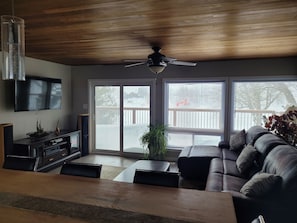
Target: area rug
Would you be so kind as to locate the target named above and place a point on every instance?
(110, 172)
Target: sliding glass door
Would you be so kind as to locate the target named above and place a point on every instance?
(136, 116)
(107, 117)
(121, 111)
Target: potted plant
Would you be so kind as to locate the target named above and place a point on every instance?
(155, 141)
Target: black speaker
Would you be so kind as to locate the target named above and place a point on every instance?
(83, 126)
(6, 141)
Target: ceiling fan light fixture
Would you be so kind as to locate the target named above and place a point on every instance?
(156, 69)
(157, 62)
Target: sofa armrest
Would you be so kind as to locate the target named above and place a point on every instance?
(273, 209)
(193, 161)
(224, 145)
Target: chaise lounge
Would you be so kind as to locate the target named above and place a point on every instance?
(257, 167)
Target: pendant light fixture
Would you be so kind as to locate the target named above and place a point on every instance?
(157, 68)
(13, 47)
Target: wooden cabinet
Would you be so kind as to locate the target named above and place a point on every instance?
(52, 150)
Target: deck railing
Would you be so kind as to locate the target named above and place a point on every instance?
(184, 118)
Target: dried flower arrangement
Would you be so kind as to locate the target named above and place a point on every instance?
(284, 125)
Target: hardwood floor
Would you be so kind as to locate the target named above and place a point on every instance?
(114, 161)
(106, 160)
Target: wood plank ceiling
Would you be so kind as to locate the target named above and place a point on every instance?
(81, 32)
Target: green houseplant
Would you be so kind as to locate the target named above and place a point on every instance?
(155, 141)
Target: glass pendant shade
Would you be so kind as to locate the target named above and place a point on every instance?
(156, 68)
(13, 47)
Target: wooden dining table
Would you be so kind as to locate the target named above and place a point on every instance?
(25, 196)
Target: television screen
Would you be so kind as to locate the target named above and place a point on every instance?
(38, 93)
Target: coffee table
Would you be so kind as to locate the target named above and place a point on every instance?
(127, 175)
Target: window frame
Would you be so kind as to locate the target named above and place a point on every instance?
(249, 79)
(193, 132)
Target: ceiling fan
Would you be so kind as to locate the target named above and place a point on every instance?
(157, 61)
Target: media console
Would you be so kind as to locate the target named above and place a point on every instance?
(51, 150)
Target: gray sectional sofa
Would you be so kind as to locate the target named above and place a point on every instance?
(257, 167)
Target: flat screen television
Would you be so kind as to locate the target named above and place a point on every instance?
(38, 93)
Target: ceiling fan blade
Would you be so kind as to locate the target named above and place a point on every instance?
(182, 63)
(134, 60)
(135, 64)
(169, 59)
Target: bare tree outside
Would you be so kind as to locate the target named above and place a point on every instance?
(107, 99)
(258, 99)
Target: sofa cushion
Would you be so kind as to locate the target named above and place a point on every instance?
(233, 183)
(237, 141)
(253, 133)
(222, 182)
(245, 160)
(216, 166)
(205, 151)
(229, 155)
(265, 144)
(261, 184)
(230, 168)
(214, 182)
(282, 160)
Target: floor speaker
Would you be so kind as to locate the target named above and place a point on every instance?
(6, 141)
(83, 126)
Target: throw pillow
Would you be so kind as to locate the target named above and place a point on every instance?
(261, 184)
(245, 160)
(237, 141)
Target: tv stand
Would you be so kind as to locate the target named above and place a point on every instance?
(52, 150)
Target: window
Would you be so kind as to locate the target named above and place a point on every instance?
(252, 100)
(194, 112)
(197, 112)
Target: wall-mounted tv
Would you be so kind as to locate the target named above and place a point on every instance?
(38, 93)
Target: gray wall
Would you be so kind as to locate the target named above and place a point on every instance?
(24, 122)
